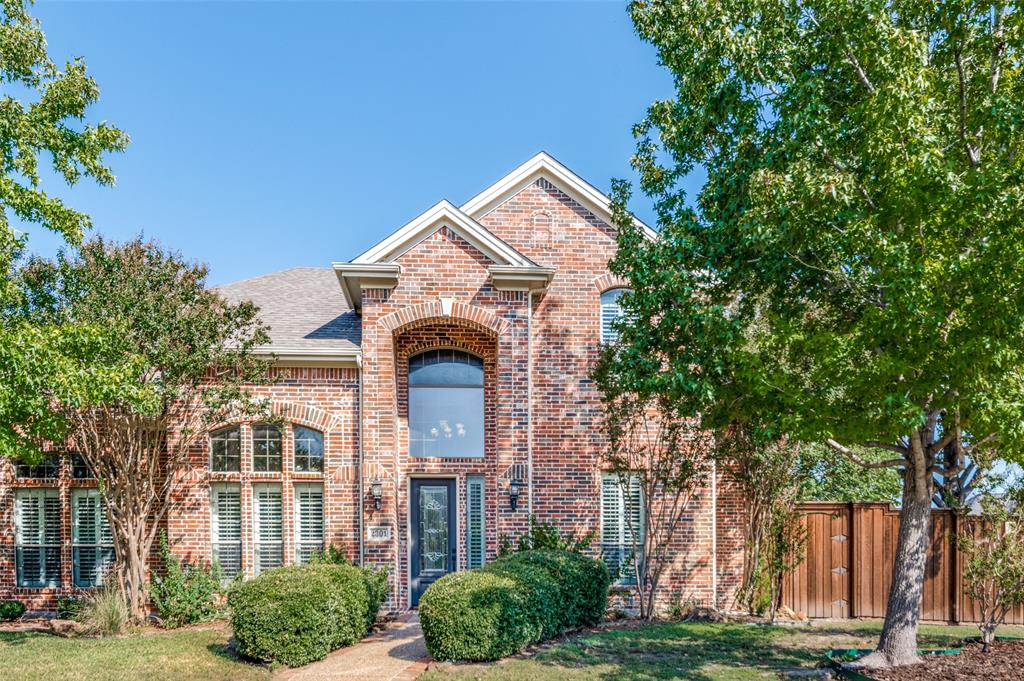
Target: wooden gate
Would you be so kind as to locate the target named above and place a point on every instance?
(848, 566)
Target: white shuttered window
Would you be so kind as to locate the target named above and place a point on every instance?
(611, 312)
(226, 517)
(309, 521)
(621, 518)
(268, 537)
(37, 537)
(92, 544)
(475, 522)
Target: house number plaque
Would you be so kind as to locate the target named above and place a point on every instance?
(378, 533)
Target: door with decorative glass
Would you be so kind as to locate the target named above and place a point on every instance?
(432, 520)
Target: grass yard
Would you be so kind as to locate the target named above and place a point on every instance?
(732, 652)
(186, 655)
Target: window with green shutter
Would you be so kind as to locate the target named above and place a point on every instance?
(268, 537)
(37, 537)
(309, 521)
(226, 517)
(475, 555)
(621, 520)
(91, 541)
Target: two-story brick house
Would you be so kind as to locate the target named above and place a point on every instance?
(433, 394)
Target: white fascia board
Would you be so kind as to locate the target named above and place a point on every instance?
(354, 277)
(299, 356)
(510, 278)
(546, 166)
(443, 213)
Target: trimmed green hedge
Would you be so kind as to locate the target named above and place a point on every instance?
(11, 610)
(517, 600)
(296, 615)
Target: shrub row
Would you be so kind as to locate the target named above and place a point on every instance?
(519, 599)
(296, 615)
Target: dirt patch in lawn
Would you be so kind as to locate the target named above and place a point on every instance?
(1003, 662)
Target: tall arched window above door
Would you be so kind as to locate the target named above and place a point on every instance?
(611, 312)
(446, 404)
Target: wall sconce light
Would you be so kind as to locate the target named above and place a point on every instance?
(377, 492)
(514, 488)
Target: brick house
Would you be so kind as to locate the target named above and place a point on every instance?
(433, 394)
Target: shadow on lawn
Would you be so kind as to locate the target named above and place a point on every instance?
(679, 651)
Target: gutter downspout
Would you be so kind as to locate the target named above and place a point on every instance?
(529, 404)
(714, 535)
(359, 466)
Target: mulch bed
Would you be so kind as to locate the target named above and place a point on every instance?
(1003, 662)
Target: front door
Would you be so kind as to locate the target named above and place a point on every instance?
(432, 520)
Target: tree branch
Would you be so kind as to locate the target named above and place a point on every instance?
(849, 454)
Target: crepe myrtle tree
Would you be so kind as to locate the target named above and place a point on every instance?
(176, 361)
(42, 113)
(852, 267)
(660, 461)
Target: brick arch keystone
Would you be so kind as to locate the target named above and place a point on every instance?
(448, 310)
(609, 281)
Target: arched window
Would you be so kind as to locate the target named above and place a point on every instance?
(309, 449)
(446, 404)
(611, 312)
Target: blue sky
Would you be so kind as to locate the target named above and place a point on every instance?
(270, 135)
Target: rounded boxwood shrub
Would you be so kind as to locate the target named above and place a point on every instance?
(296, 615)
(520, 599)
(11, 610)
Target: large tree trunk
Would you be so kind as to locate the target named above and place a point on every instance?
(898, 642)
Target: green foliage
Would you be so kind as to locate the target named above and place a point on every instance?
(68, 607)
(517, 600)
(826, 475)
(331, 555)
(993, 545)
(11, 610)
(296, 615)
(184, 594)
(104, 612)
(48, 120)
(543, 535)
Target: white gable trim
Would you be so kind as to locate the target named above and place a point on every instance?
(546, 166)
(444, 213)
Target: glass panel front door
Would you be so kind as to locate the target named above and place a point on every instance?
(432, 509)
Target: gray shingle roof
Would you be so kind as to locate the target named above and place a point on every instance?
(303, 306)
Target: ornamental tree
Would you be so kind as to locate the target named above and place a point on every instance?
(176, 360)
(852, 269)
(43, 109)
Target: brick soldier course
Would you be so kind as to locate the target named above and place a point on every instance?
(514, 277)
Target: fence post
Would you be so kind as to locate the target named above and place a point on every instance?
(851, 574)
(954, 552)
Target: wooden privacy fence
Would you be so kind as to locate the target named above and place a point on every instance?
(848, 565)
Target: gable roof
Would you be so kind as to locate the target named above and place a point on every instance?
(544, 165)
(308, 320)
(428, 222)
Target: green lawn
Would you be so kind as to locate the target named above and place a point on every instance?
(731, 652)
(187, 655)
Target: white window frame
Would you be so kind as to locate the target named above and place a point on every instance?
(220, 434)
(258, 540)
(270, 428)
(103, 544)
(296, 429)
(616, 536)
(46, 541)
(216, 543)
(306, 547)
(611, 312)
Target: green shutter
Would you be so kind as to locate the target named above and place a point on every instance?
(92, 544)
(309, 521)
(475, 554)
(226, 516)
(37, 537)
(268, 536)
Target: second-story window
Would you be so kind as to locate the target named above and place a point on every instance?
(309, 449)
(266, 448)
(226, 450)
(446, 404)
(611, 312)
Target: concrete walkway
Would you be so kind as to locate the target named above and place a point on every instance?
(396, 654)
